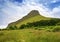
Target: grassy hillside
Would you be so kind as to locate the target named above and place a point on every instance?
(29, 35)
(32, 16)
(35, 20)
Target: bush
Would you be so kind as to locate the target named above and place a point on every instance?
(12, 28)
(56, 29)
(22, 26)
(52, 22)
(15, 27)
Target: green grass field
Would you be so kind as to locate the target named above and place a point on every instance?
(29, 35)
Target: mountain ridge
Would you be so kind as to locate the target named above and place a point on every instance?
(32, 16)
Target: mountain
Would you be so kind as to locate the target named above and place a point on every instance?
(32, 16)
(49, 32)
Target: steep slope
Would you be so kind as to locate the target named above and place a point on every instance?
(32, 16)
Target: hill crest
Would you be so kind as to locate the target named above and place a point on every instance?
(32, 16)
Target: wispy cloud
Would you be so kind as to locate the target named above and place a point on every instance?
(13, 10)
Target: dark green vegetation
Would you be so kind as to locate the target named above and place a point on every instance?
(32, 28)
(40, 23)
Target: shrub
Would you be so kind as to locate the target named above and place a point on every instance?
(40, 23)
(22, 26)
(11, 27)
(15, 27)
(56, 29)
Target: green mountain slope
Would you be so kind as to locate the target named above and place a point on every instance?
(32, 16)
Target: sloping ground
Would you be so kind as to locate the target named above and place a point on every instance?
(33, 16)
(29, 35)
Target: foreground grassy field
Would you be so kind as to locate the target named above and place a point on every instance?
(29, 35)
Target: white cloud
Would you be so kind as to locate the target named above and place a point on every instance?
(56, 12)
(53, 1)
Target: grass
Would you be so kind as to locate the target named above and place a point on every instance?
(33, 19)
(29, 20)
(29, 35)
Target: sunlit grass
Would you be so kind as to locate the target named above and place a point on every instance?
(29, 35)
(32, 19)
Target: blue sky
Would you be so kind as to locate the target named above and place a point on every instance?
(13, 10)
